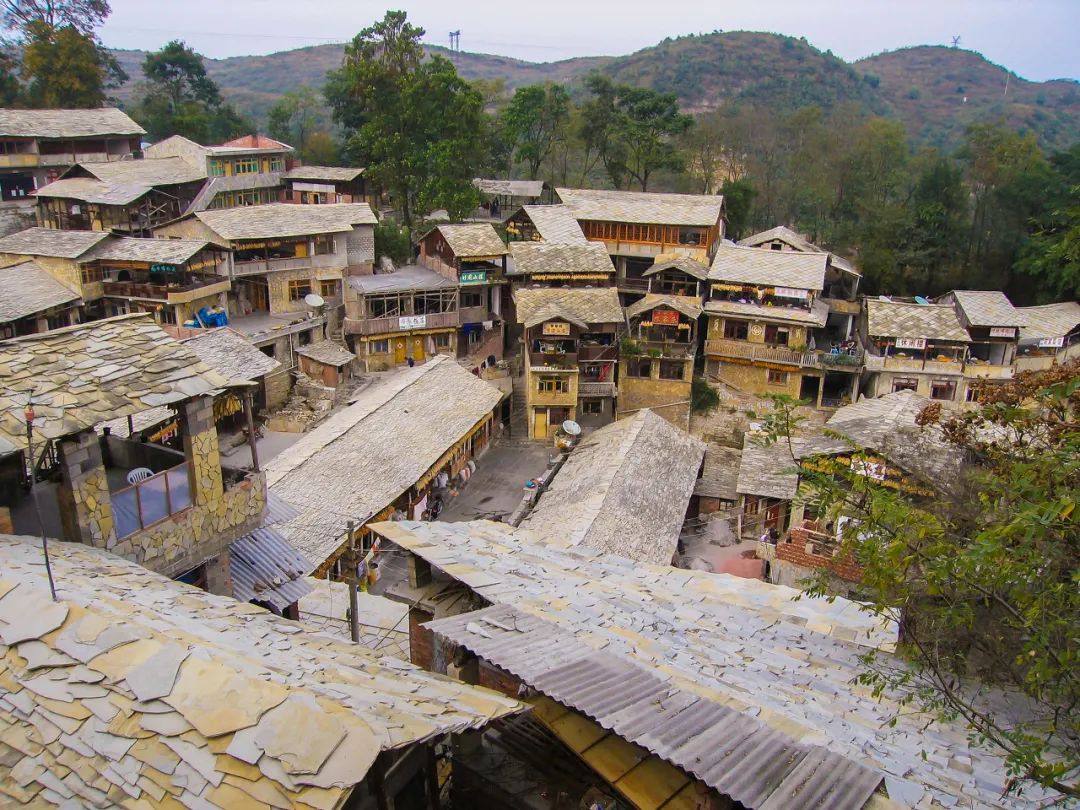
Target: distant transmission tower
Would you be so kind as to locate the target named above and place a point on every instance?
(455, 40)
(956, 41)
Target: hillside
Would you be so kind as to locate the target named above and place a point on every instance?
(935, 91)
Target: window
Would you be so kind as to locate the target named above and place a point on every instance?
(267, 350)
(328, 289)
(217, 168)
(248, 165)
(58, 321)
(592, 407)
(690, 236)
(379, 347)
(777, 377)
(91, 274)
(904, 384)
(277, 164)
(324, 244)
(671, 369)
(942, 389)
(299, 288)
(475, 337)
(553, 385)
(167, 315)
(736, 330)
(776, 335)
(639, 367)
(776, 246)
(472, 298)
(152, 500)
(442, 341)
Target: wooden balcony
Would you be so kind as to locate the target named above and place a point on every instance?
(260, 266)
(384, 326)
(761, 353)
(168, 293)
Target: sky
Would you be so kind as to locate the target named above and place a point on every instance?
(1037, 39)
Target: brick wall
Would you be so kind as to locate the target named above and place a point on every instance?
(421, 641)
(501, 681)
(795, 552)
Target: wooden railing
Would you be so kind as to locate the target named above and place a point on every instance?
(382, 326)
(761, 353)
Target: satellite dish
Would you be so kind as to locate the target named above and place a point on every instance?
(313, 300)
(571, 428)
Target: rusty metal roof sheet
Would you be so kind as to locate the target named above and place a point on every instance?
(736, 754)
(265, 567)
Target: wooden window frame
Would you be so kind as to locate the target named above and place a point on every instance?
(295, 287)
(776, 377)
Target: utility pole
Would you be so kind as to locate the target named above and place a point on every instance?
(354, 607)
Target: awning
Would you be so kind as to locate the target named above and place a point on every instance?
(265, 567)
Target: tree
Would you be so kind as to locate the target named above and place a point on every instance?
(1052, 254)
(9, 81)
(295, 117)
(982, 575)
(65, 68)
(178, 98)
(738, 200)
(632, 130)
(415, 123)
(535, 119)
(82, 15)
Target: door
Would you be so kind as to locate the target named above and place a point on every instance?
(540, 423)
(399, 350)
(772, 516)
(418, 349)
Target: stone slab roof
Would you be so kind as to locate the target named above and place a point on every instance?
(404, 279)
(686, 304)
(684, 264)
(26, 289)
(135, 690)
(158, 251)
(780, 659)
(769, 268)
(885, 425)
(817, 315)
(96, 192)
(555, 223)
(987, 308)
(645, 208)
(335, 174)
(721, 473)
(234, 182)
(1049, 320)
(515, 188)
(539, 258)
(283, 219)
(326, 352)
(575, 304)
(473, 240)
(901, 319)
(625, 489)
(230, 354)
(798, 242)
(364, 457)
(67, 123)
(83, 375)
(165, 171)
(51, 242)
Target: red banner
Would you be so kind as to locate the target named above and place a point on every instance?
(665, 317)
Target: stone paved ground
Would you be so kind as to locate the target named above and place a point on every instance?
(496, 487)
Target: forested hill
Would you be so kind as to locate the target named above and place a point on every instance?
(935, 91)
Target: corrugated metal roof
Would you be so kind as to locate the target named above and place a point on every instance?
(265, 567)
(734, 753)
(277, 510)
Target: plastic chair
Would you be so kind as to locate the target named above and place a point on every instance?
(139, 474)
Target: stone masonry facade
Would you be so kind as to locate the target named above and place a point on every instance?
(202, 532)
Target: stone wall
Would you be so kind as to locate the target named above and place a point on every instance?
(217, 516)
(668, 398)
(17, 217)
(754, 379)
(278, 385)
(278, 285)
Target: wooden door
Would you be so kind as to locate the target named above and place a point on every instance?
(399, 350)
(772, 516)
(540, 423)
(418, 349)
